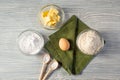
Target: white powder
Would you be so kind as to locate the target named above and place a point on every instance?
(54, 64)
(30, 42)
(46, 58)
(90, 42)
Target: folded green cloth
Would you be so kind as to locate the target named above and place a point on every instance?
(73, 60)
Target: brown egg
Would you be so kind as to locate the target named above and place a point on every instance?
(64, 44)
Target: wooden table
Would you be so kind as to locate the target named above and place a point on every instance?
(19, 15)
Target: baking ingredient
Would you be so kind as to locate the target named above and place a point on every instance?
(30, 42)
(52, 66)
(46, 60)
(90, 42)
(50, 17)
(64, 44)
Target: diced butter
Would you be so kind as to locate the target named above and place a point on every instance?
(50, 17)
(46, 20)
(58, 18)
(53, 10)
(45, 13)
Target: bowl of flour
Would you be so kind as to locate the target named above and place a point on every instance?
(89, 42)
(30, 42)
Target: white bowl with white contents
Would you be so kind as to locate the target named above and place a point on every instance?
(30, 42)
(89, 42)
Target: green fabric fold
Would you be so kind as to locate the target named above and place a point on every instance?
(73, 60)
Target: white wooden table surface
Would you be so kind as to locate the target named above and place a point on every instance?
(19, 15)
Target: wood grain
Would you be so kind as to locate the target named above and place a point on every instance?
(19, 15)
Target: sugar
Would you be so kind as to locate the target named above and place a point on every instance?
(30, 42)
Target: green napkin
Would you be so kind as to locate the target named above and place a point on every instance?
(73, 60)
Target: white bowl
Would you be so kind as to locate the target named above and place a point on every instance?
(85, 50)
(30, 42)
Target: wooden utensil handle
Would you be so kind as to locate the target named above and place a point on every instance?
(46, 75)
(42, 71)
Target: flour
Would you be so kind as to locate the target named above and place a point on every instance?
(54, 64)
(30, 42)
(90, 42)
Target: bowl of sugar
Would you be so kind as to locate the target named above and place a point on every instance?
(30, 42)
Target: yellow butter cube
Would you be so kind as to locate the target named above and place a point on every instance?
(51, 17)
(45, 13)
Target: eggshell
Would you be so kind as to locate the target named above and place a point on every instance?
(64, 44)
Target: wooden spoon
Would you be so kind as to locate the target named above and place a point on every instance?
(46, 59)
(53, 65)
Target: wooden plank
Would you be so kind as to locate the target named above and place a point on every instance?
(19, 15)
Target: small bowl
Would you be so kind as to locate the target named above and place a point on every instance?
(61, 14)
(26, 39)
(101, 39)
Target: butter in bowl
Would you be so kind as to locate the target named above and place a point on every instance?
(51, 16)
